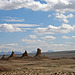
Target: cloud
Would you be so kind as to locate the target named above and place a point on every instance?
(9, 28)
(66, 37)
(46, 43)
(44, 47)
(33, 36)
(38, 40)
(17, 4)
(73, 37)
(49, 15)
(10, 47)
(15, 19)
(50, 46)
(25, 25)
(42, 31)
(48, 38)
(64, 28)
(69, 42)
(31, 41)
(35, 43)
(64, 17)
(10, 44)
(15, 27)
(57, 5)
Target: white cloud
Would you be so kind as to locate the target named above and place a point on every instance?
(15, 27)
(64, 17)
(38, 40)
(30, 41)
(25, 25)
(65, 37)
(48, 38)
(64, 28)
(46, 43)
(70, 42)
(57, 5)
(10, 44)
(9, 28)
(33, 36)
(15, 19)
(50, 46)
(49, 15)
(73, 37)
(10, 47)
(42, 31)
(31, 4)
(43, 46)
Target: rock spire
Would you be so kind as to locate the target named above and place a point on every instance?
(25, 54)
(12, 54)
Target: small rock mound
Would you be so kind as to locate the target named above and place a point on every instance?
(39, 55)
(4, 57)
(25, 54)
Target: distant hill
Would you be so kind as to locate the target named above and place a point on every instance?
(50, 51)
(60, 54)
(47, 51)
(8, 53)
(16, 52)
(33, 52)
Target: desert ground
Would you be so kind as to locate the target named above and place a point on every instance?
(38, 65)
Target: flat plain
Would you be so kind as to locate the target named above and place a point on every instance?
(58, 63)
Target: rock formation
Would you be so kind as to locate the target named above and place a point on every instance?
(4, 57)
(38, 52)
(12, 54)
(39, 55)
(25, 54)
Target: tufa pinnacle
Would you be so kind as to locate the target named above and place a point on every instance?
(38, 52)
(25, 54)
(12, 54)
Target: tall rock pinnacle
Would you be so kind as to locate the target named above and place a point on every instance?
(25, 54)
(38, 52)
(12, 54)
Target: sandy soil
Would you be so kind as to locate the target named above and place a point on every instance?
(38, 67)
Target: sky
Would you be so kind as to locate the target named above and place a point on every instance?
(31, 24)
